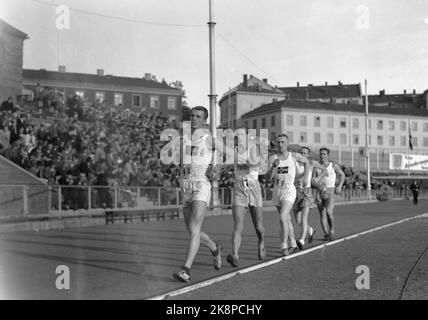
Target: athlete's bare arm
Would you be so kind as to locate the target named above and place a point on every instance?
(339, 171)
(320, 171)
(303, 160)
(273, 163)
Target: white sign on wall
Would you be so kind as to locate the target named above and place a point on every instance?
(401, 161)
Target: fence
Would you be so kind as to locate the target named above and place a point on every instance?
(22, 200)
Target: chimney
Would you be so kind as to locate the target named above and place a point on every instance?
(414, 91)
(245, 81)
(405, 92)
(382, 92)
(61, 69)
(100, 72)
(265, 80)
(326, 83)
(298, 84)
(148, 76)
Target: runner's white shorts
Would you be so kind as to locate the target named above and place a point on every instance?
(285, 193)
(247, 192)
(195, 190)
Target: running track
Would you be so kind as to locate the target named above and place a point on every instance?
(135, 261)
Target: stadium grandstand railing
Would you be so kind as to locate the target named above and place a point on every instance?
(63, 200)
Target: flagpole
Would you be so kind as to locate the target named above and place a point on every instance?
(213, 102)
(410, 146)
(369, 187)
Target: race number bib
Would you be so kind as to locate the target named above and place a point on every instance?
(282, 170)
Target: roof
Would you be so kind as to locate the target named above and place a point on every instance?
(323, 92)
(251, 89)
(106, 80)
(335, 107)
(5, 27)
(397, 99)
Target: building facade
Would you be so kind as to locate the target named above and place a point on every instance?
(136, 94)
(11, 57)
(341, 127)
(248, 95)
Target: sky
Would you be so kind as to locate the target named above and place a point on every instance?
(308, 41)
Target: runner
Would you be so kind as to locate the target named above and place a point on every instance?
(325, 198)
(282, 168)
(246, 194)
(304, 200)
(196, 189)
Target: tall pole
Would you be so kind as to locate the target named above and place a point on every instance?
(369, 187)
(213, 102)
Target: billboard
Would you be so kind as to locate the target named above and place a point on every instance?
(412, 162)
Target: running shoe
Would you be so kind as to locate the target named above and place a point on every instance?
(217, 258)
(326, 237)
(300, 244)
(294, 250)
(182, 276)
(311, 235)
(232, 260)
(285, 252)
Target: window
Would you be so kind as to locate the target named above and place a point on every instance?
(317, 121)
(154, 102)
(118, 99)
(356, 139)
(355, 123)
(136, 100)
(403, 141)
(370, 124)
(403, 125)
(380, 124)
(392, 141)
(415, 142)
(234, 109)
(289, 120)
(379, 140)
(290, 136)
(330, 122)
(370, 140)
(317, 137)
(234, 124)
(330, 138)
(414, 126)
(303, 121)
(303, 137)
(272, 121)
(391, 125)
(425, 126)
(425, 142)
(255, 124)
(81, 94)
(172, 103)
(246, 124)
(342, 138)
(343, 122)
(263, 122)
(99, 97)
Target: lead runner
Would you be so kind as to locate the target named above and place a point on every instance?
(196, 189)
(282, 169)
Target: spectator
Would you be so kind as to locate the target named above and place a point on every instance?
(7, 105)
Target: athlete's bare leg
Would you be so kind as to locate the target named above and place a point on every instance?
(194, 217)
(304, 223)
(238, 213)
(323, 217)
(257, 218)
(286, 229)
(330, 216)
